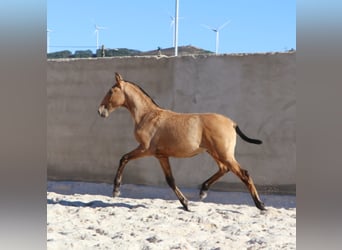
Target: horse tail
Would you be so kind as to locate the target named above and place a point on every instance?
(244, 137)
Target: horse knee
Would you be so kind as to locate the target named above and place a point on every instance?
(123, 160)
(245, 173)
(240, 172)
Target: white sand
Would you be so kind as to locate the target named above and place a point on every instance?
(85, 216)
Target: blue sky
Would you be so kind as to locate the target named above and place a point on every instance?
(256, 26)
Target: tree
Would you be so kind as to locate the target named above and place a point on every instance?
(60, 54)
(83, 53)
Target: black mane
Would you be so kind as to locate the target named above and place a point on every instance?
(142, 90)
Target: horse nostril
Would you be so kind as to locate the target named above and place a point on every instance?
(103, 112)
(100, 110)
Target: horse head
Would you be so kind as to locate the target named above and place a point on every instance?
(114, 98)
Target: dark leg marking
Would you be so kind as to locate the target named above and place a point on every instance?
(165, 164)
(135, 154)
(118, 176)
(245, 178)
(205, 186)
(209, 182)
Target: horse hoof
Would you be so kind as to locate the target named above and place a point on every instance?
(203, 195)
(116, 194)
(261, 206)
(185, 205)
(186, 208)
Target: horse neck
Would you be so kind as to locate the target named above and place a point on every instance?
(138, 103)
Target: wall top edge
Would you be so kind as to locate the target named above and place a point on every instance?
(164, 56)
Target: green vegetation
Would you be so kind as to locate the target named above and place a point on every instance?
(83, 53)
(183, 50)
(60, 54)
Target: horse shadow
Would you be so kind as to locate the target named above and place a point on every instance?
(93, 204)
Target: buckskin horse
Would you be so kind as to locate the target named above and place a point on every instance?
(163, 133)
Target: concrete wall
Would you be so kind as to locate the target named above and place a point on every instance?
(255, 90)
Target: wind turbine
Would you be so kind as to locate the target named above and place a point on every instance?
(97, 31)
(48, 40)
(172, 26)
(217, 31)
(176, 27)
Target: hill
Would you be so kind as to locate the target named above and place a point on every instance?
(182, 50)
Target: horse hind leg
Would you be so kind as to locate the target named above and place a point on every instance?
(205, 186)
(245, 178)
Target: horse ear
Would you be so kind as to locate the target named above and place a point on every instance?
(118, 79)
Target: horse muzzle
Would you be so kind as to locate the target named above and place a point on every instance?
(103, 112)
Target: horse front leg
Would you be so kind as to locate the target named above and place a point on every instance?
(165, 164)
(135, 154)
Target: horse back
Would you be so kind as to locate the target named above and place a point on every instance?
(187, 134)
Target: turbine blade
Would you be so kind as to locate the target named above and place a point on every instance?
(223, 25)
(208, 27)
(99, 27)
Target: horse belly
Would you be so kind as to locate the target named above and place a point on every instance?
(182, 141)
(178, 148)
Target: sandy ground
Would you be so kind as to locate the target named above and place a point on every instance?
(85, 216)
